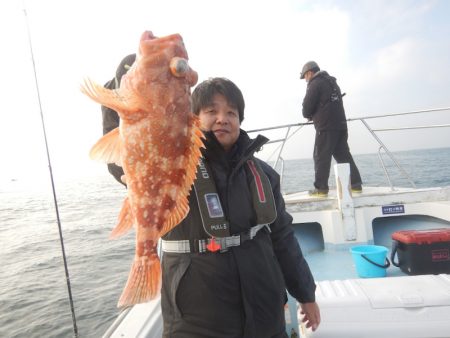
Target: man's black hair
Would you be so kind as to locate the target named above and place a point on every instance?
(203, 94)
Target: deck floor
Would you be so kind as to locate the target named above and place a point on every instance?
(338, 265)
(330, 262)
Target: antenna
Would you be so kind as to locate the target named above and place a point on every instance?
(75, 329)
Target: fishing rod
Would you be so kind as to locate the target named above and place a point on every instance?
(69, 289)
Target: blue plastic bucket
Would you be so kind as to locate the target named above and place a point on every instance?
(370, 260)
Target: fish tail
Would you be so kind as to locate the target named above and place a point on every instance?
(144, 282)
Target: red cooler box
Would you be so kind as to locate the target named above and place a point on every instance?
(422, 252)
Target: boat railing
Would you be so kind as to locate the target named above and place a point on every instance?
(296, 127)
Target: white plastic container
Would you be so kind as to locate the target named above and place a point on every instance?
(408, 306)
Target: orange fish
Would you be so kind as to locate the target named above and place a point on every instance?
(158, 146)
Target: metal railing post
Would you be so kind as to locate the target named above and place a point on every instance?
(384, 168)
(282, 146)
(389, 154)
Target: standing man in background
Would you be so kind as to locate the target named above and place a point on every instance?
(323, 105)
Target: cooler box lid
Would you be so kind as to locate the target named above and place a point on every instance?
(422, 236)
(405, 306)
(403, 292)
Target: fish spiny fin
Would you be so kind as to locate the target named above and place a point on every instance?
(113, 99)
(107, 149)
(181, 208)
(144, 282)
(125, 221)
(176, 216)
(194, 152)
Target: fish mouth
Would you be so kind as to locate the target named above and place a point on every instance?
(148, 35)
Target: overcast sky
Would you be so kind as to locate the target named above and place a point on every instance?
(388, 56)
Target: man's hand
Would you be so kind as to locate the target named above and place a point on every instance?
(311, 315)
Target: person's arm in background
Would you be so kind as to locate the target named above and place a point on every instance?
(110, 118)
(311, 100)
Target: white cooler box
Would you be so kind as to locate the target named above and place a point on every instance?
(408, 306)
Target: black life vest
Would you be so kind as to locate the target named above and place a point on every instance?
(213, 218)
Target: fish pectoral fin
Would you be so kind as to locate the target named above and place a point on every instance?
(144, 282)
(110, 98)
(125, 221)
(107, 149)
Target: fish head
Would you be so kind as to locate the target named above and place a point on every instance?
(160, 76)
(165, 59)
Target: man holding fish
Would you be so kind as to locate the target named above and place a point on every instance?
(229, 252)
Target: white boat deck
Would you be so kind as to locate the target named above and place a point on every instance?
(370, 196)
(321, 226)
(326, 229)
(348, 219)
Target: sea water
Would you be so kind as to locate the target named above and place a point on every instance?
(34, 299)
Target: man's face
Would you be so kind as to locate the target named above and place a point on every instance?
(222, 120)
(308, 76)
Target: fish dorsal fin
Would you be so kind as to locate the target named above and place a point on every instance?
(107, 149)
(125, 221)
(176, 216)
(181, 208)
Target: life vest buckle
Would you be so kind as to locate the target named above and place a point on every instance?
(214, 246)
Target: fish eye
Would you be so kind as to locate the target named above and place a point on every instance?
(179, 66)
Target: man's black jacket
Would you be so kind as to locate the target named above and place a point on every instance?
(323, 103)
(214, 292)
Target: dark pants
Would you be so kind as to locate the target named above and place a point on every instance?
(332, 143)
(202, 297)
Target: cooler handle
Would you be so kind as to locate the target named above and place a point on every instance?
(388, 264)
(393, 252)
